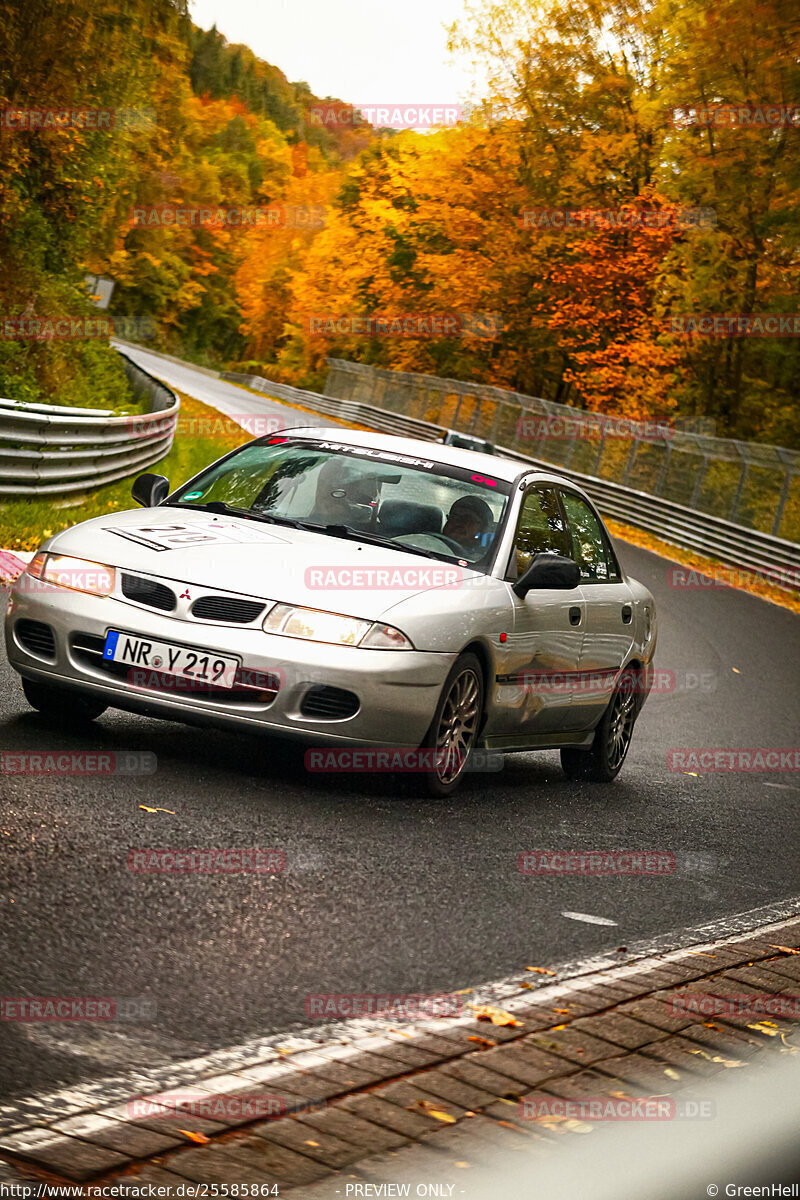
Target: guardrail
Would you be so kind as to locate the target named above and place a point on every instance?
(48, 449)
(345, 410)
(704, 533)
(750, 484)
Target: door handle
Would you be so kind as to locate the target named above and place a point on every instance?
(575, 615)
(626, 614)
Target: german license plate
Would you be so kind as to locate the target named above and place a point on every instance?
(206, 667)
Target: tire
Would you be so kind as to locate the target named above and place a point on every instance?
(459, 712)
(61, 704)
(603, 760)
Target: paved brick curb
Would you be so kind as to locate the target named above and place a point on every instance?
(611, 1031)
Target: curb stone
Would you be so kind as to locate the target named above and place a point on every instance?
(378, 1102)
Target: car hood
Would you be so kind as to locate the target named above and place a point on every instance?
(274, 562)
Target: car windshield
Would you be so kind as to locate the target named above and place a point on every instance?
(413, 504)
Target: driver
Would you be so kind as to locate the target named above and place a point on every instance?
(468, 520)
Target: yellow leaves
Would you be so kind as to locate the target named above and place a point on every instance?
(430, 1110)
(768, 1028)
(200, 1138)
(671, 1074)
(784, 949)
(540, 970)
(484, 1043)
(497, 1016)
(155, 810)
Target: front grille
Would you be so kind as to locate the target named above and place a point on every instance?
(36, 637)
(250, 687)
(147, 591)
(329, 702)
(228, 609)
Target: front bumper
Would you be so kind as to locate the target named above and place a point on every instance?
(397, 689)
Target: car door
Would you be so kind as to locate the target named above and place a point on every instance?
(608, 624)
(540, 657)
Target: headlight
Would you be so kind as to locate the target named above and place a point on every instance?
(77, 574)
(317, 626)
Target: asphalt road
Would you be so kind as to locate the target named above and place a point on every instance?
(384, 890)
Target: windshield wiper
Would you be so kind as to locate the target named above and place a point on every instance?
(373, 539)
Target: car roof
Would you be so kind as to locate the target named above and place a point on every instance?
(496, 466)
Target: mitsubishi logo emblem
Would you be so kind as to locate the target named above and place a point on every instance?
(185, 595)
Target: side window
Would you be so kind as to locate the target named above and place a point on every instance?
(540, 530)
(592, 552)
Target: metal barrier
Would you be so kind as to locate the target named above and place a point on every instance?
(48, 449)
(746, 483)
(676, 523)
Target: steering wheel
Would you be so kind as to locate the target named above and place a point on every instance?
(450, 543)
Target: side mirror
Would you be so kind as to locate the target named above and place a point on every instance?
(150, 490)
(548, 571)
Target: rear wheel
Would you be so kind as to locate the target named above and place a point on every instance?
(602, 761)
(60, 704)
(455, 725)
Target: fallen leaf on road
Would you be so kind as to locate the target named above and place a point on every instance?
(166, 810)
(466, 1164)
(463, 992)
(562, 1012)
(736, 670)
(671, 1074)
(498, 1016)
(200, 1138)
(430, 1109)
(714, 1058)
(540, 970)
(768, 1028)
(525, 985)
(308, 1142)
(785, 949)
(480, 1041)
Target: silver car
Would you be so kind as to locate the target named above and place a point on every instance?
(367, 593)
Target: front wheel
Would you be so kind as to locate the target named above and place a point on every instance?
(60, 704)
(454, 729)
(603, 760)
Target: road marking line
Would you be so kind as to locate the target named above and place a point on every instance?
(588, 918)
